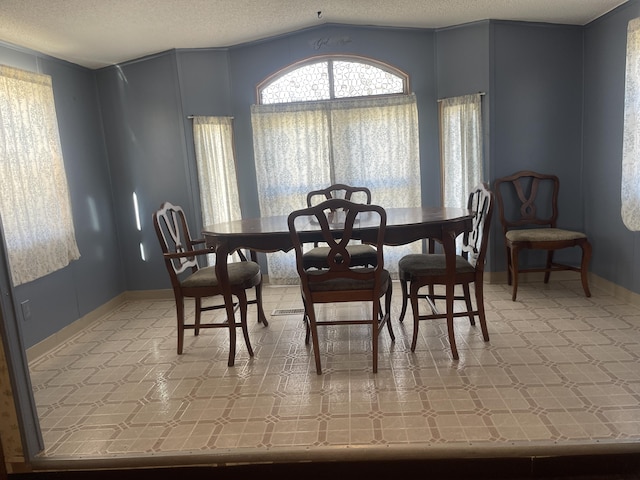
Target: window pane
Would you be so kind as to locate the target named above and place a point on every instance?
(307, 83)
(355, 79)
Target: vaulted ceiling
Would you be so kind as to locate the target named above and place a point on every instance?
(97, 33)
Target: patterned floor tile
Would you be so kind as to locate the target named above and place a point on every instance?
(559, 368)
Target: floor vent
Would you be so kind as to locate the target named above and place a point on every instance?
(287, 311)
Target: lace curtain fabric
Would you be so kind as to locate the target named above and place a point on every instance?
(461, 131)
(300, 147)
(215, 160)
(630, 188)
(34, 197)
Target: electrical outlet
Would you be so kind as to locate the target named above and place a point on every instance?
(26, 310)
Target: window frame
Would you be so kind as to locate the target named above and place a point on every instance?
(330, 58)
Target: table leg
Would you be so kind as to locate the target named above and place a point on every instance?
(449, 246)
(261, 316)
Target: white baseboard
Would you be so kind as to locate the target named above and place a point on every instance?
(595, 282)
(64, 334)
(530, 277)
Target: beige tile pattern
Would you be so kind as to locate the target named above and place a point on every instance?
(559, 369)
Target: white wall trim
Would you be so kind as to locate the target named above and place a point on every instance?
(64, 334)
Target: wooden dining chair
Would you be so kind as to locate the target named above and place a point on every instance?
(342, 280)
(361, 254)
(190, 280)
(528, 206)
(430, 269)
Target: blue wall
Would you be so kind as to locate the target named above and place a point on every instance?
(553, 103)
(143, 126)
(616, 249)
(66, 295)
(536, 114)
(157, 159)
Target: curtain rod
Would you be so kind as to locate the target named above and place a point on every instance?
(193, 116)
(478, 93)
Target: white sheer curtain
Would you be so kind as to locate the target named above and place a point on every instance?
(371, 142)
(630, 191)
(215, 160)
(461, 136)
(34, 195)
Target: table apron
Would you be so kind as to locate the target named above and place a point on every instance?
(281, 241)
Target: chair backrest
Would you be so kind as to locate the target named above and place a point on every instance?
(339, 190)
(339, 221)
(173, 233)
(474, 244)
(527, 198)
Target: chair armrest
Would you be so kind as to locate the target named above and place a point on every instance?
(190, 253)
(209, 251)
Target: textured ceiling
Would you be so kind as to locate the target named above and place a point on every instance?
(96, 33)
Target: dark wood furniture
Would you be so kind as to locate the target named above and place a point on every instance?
(189, 280)
(343, 279)
(361, 254)
(528, 206)
(404, 225)
(430, 269)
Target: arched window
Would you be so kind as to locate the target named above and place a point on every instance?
(339, 119)
(328, 78)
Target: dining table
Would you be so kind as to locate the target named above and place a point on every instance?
(271, 234)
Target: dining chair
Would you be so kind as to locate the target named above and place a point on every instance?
(528, 206)
(430, 269)
(190, 280)
(342, 280)
(361, 254)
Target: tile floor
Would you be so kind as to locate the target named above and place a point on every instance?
(560, 369)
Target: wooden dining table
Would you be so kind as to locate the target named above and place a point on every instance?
(404, 225)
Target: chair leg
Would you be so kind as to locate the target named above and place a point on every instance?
(387, 311)
(305, 319)
(547, 273)
(242, 299)
(514, 267)
(180, 319)
(467, 301)
(311, 317)
(450, 331)
(403, 310)
(261, 316)
(452, 339)
(586, 258)
(416, 316)
(231, 324)
(375, 333)
(479, 285)
(509, 266)
(196, 330)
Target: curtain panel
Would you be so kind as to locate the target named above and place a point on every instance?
(461, 136)
(216, 164)
(34, 196)
(630, 188)
(300, 147)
